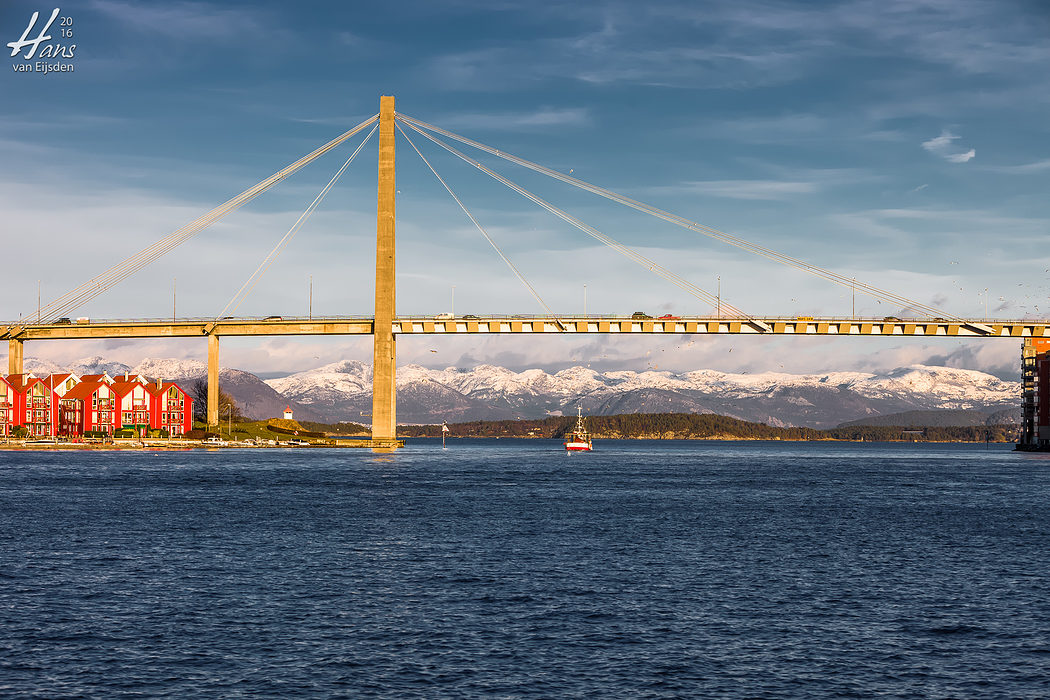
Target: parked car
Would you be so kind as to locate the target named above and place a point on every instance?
(297, 442)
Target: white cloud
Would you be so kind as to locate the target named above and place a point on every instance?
(942, 146)
(748, 189)
(1025, 168)
(518, 120)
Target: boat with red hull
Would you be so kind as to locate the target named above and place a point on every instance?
(579, 440)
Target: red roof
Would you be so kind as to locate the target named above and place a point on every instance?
(95, 378)
(21, 382)
(154, 389)
(122, 388)
(54, 380)
(84, 390)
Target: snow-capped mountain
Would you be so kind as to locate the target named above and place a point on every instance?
(87, 365)
(342, 391)
(256, 399)
(171, 368)
(488, 391)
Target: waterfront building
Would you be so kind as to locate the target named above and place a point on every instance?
(35, 404)
(171, 408)
(67, 405)
(133, 405)
(7, 408)
(89, 407)
(1035, 394)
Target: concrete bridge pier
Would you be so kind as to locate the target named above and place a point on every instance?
(14, 356)
(384, 360)
(213, 382)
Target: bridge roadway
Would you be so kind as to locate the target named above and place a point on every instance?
(18, 333)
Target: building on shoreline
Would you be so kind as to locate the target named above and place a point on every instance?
(1035, 394)
(65, 405)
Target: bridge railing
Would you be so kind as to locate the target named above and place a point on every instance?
(460, 317)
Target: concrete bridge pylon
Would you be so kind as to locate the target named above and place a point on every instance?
(384, 356)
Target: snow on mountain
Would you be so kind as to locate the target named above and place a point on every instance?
(171, 368)
(256, 399)
(40, 368)
(777, 398)
(342, 391)
(87, 365)
(97, 365)
(328, 384)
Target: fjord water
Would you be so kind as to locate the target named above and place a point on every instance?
(508, 568)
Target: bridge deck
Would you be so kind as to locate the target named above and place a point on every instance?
(417, 325)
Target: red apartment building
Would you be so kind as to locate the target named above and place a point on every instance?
(171, 408)
(89, 407)
(35, 405)
(7, 408)
(70, 406)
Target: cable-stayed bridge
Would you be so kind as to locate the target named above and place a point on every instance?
(55, 319)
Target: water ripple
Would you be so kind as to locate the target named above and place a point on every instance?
(502, 569)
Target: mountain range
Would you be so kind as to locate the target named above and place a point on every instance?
(342, 391)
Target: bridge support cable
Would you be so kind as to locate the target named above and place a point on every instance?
(67, 303)
(713, 233)
(480, 228)
(627, 252)
(249, 285)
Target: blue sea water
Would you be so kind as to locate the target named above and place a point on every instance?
(510, 569)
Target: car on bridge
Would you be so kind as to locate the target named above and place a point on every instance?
(640, 314)
(668, 317)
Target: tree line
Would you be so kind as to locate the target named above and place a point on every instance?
(686, 426)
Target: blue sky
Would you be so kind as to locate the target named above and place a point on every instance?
(904, 143)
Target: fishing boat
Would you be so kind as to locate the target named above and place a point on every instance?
(579, 440)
